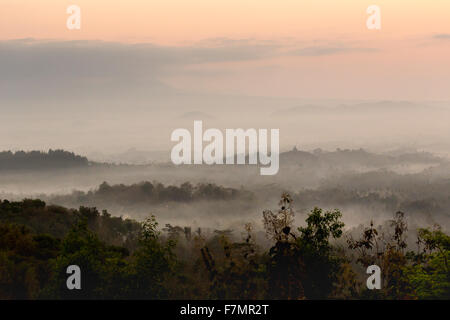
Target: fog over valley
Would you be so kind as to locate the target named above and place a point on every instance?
(363, 185)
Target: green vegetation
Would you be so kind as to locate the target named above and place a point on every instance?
(123, 259)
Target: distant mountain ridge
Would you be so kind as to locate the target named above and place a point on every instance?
(61, 159)
(363, 107)
(355, 157)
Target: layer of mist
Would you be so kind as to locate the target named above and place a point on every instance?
(364, 185)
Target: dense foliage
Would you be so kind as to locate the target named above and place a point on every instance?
(123, 259)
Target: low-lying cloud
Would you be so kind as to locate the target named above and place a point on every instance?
(46, 69)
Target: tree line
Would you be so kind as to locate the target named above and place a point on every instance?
(37, 160)
(147, 192)
(123, 259)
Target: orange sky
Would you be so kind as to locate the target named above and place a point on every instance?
(406, 58)
(179, 21)
(302, 49)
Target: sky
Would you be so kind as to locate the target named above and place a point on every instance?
(287, 48)
(179, 21)
(127, 53)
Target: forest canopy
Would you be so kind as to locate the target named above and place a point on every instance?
(123, 259)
